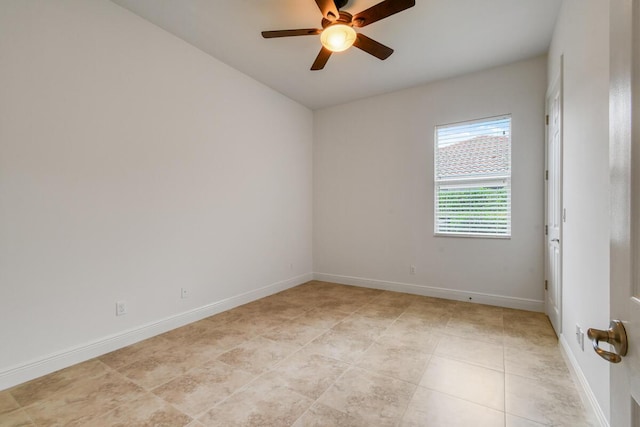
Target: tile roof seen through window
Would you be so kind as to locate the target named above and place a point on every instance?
(482, 155)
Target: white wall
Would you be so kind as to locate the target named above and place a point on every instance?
(582, 36)
(373, 190)
(131, 165)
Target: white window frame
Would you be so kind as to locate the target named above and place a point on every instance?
(475, 181)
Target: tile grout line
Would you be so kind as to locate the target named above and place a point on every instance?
(269, 369)
(325, 392)
(351, 366)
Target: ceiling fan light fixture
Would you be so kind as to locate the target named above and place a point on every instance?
(338, 37)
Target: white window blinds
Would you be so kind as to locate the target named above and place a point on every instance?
(473, 178)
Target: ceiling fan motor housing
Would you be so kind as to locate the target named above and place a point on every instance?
(340, 3)
(345, 18)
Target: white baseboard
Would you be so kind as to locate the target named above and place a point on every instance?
(51, 363)
(429, 291)
(587, 394)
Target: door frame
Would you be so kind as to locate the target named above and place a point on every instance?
(556, 84)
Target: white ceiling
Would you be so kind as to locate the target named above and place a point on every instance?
(433, 40)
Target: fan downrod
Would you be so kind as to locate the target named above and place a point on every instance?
(340, 3)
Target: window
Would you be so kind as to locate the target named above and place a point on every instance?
(473, 178)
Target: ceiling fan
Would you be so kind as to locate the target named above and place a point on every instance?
(338, 32)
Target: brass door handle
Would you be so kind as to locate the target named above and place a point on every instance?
(615, 335)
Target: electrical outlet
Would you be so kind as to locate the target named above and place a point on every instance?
(580, 337)
(412, 270)
(121, 308)
(184, 293)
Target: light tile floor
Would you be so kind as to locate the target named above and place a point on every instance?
(320, 354)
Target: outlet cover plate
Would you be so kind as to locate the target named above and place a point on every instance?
(121, 308)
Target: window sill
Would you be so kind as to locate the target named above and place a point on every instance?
(473, 236)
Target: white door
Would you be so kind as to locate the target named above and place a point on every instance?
(553, 190)
(625, 201)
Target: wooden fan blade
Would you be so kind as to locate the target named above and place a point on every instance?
(381, 11)
(372, 47)
(321, 59)
(291, 33)
(328, 9)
